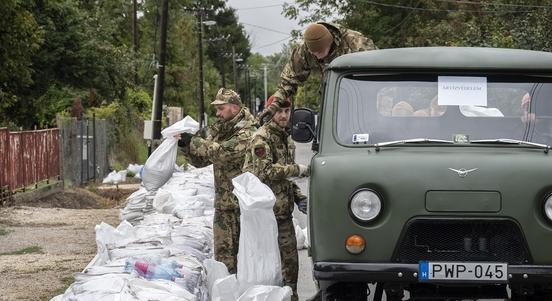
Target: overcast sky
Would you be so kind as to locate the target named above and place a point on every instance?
(268, 29)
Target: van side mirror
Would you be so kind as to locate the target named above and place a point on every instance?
(302, 125)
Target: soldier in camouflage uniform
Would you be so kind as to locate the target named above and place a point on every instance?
(225, 148)
(271, 157)
(323, 43)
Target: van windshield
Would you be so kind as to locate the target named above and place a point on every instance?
(377, 109)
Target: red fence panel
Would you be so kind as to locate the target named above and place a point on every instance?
(4, 149)
(30, 157)
(15, 161)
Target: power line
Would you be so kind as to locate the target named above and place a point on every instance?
(270, 44)
(265, 28)
(445, 10)
(257, 7)
(496, 4)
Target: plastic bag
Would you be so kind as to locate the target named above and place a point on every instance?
(258, 253)
(159, 167)
(266, 293)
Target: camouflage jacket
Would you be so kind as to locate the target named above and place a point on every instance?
(302, 62)
(224, 148)
(271, 157)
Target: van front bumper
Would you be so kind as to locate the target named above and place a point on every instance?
(408, 273)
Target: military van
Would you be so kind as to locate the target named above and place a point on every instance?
(432, 178)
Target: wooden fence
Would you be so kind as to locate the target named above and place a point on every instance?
(28, 157)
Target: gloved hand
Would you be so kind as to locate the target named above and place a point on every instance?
(304, 170)
(302, 205)
(185, 139)
(266, 115)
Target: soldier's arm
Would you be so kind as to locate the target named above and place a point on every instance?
(358, 42)
(261, 164)
(229, 150)
(193, 153)
(295, 73)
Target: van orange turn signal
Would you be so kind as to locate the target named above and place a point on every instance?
(355, 244)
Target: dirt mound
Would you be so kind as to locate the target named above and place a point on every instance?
(79, 198)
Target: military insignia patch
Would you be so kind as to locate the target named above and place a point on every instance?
(260, 151)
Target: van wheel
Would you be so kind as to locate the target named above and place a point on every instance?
(346, 291)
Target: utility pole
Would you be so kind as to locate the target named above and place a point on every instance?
(161, 70)
(234, 68)
(135, 38)
(265, 88)
(200, 51)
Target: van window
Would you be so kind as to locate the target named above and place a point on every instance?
(389, 108)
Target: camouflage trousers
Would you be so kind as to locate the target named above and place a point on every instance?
(288, 253)
(226, 234)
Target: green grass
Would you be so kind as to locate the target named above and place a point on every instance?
(4, 231)
(27, 250)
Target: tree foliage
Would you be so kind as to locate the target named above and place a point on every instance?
(53, 52)
(524, 24)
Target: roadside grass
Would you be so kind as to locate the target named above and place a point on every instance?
(4, 231)
(27, 250)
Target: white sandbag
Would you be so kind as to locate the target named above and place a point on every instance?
(306, 234)
(300, 237)
(106, 236)
(159, 290)
(159, 167)
(215, 270)
(226, 289)
(258, 252)
(163, 202)
(187, 125)
(267, 293)
(115, 177)
(135, 169)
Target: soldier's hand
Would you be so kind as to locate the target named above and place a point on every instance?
(304, 170)
(302, 205)
(266, 115)
(185, 139)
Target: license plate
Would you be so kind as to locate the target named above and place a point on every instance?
(463, 271)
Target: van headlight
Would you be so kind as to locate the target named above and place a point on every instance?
(548, 207)
(366, 205)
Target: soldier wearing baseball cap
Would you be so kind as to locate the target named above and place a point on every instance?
(225, 148)
(322, 43)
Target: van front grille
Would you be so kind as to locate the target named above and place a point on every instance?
(451, 239)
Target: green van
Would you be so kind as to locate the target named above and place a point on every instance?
(433, 175)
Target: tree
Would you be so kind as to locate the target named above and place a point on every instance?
(20, 39)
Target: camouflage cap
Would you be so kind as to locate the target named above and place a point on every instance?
(225, 96)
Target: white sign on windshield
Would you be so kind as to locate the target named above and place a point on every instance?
(462, 90)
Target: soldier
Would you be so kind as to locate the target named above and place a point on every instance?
(224, 148)
(323, 42)
(271, 157)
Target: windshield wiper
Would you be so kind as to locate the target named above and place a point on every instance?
(513, 141)
(407, 141)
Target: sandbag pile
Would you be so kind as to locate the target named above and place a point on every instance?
(131, 261)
